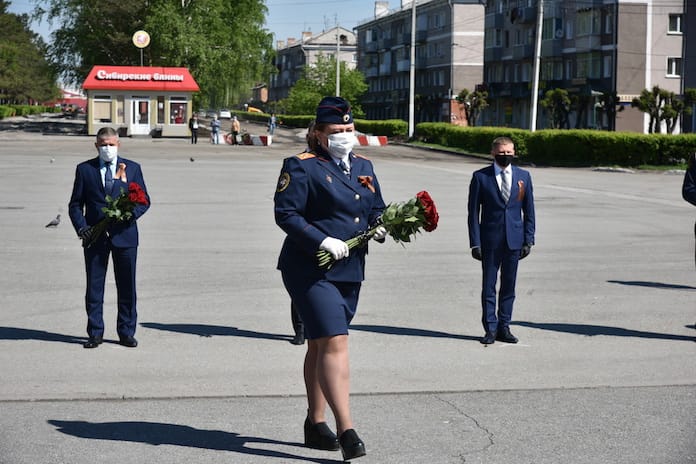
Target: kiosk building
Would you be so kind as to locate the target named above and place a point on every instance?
(137, 100)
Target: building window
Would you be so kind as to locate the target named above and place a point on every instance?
(675, 24)
(120, 115)
(101, 107)
(588, 22)
(160, 109)
(608, 67)
(177, 110)
(609, 22)
(674, 67)
(553, 29)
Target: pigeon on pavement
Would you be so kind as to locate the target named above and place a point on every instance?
(55, 222)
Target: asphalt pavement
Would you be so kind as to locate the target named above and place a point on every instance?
(605, 371)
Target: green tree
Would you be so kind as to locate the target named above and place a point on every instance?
(649, 102)
(222, 42)
(608, 104)
(663, 105)
(318, 81)
(25, 74)
(474, 103)
(557, 104)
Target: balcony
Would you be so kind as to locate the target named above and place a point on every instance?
(385, 44)
(371, 72)
(421, 36)
(385, 69)
(371, 47)
(586, 43)
(523, 15)
(403, 65)
(552, 47)
(493, 54)
(521, 52)
(494, 21)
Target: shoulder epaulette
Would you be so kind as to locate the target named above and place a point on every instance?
(306, 155)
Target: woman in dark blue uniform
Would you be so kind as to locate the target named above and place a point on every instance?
(323, 198)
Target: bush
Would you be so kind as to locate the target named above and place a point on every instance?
(553, 147)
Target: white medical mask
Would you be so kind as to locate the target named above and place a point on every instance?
(341, 144)
(108, 153)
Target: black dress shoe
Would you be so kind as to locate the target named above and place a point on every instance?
(93, 342)
(489, 338)
(130, 342)
(504, 335)
(319, 436)
(299, 339)
(351, 445)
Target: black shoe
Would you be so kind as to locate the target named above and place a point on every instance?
(351, 445)
(93, 342)
(504, 335)
(298, 339)
(319, 436)
(130, 342)
(489, 338)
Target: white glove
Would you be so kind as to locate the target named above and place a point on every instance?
(380, 233)
(337, 248)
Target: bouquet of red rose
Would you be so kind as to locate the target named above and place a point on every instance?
(118, 209)
(402, 221)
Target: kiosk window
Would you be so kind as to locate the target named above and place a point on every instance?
(102, 108)
(177, 111)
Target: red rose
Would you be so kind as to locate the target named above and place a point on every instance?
(429, 211)
(136, 194)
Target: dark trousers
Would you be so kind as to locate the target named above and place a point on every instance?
(504, 260)
(194, 135)
(96, 265)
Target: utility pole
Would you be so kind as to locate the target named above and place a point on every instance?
(412, 76)
(537, 66)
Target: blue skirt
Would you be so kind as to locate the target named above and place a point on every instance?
(326, 307)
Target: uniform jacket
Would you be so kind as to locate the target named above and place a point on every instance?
(490, 220)
(89, 197)
(314, 200)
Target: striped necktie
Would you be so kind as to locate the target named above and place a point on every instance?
(504, 186)
(344, 167)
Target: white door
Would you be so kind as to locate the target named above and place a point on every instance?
(140, 120)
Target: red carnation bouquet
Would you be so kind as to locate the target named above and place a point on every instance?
(118, 209)
(402, 220)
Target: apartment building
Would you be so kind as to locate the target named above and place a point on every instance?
(591, 48)
(448, 58)
(293, 55)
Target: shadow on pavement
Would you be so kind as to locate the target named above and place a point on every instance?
(206, 330)
(16, 333)
(391, 330)
(593, 330)
(641, 283)
(156, 433)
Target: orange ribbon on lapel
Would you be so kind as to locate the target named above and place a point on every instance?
(121, 172)
(520, 194)
(366, 181)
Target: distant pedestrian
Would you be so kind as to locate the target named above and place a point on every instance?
(272, 122)
(236, 128)
(193, 127)
(501, 232)
(215, 130)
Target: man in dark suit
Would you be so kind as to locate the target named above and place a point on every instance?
(96, 178)
(501, 232)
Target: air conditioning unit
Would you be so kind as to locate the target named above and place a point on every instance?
(559, 33)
